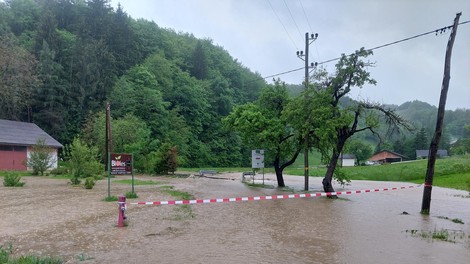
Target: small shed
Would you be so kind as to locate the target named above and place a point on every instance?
(16, 142)
(347, 160)
(424, 153)
(386, 156)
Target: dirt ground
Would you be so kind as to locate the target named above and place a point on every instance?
(49, 217)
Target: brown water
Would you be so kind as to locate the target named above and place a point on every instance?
(360, 228)
(364, 228)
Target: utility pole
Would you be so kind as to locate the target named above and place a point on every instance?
(304, 56)
(426, 205)
(109, 137)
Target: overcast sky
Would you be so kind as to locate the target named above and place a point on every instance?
(264, 36)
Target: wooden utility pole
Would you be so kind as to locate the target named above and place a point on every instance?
(426, 205)
(109, 138)
(308, 40)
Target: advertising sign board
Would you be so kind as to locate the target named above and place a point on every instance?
(121, 164)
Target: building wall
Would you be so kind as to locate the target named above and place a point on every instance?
(54, 159)
(13, 158)
(349, 162)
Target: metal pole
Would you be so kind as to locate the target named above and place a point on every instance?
(109, 174)
(132, 171)
(306, 136)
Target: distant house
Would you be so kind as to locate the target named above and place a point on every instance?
(16, 142)
(347, 160)
(424, 153)
(386, 156)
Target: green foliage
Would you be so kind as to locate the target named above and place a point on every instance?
(19, 79)
(111, 198)
(167, 160)
(5, 257)
(131, 195)
(41, 157)
(12, 180)
(89, 182)
(60, 170)
(361, 150)
(341, 177)
(83, 161)
(263, 125)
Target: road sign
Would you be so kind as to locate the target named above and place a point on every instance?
(257, 158)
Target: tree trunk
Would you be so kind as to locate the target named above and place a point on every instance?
(280, 168)
(280, 178)
(327, 186)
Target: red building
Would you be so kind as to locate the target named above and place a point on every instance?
(17, 140)
(386, 156)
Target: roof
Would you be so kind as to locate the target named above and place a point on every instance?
(347, 156)
(391, 152)
(24, 134)
(425, 153)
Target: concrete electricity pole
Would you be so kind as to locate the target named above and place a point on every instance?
(304, 56)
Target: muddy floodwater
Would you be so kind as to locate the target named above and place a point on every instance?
(48, 217)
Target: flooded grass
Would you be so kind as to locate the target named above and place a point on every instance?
(260, 185)
(181, 212)
(445, 235)
(455, 220)
(138, 182)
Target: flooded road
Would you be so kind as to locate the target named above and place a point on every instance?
(358, 228)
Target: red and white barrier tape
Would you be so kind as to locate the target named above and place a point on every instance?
(272, 197)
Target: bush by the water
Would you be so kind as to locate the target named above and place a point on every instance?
(12, 180)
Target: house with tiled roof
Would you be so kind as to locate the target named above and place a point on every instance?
(386, 156)
(16, 142)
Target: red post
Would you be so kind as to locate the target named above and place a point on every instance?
(122, 209)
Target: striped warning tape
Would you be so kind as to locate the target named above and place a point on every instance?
(271, 197)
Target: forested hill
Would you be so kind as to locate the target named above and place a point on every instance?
(421, 115)
(61, 60)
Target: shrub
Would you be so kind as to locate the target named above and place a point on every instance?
(131, 195)
(89, 182)
(12, 180)
(167, 160)
(59, 171)
(83, 161)
(41, 157)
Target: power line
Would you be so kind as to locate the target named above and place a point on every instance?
(436, 31)
(306, 17)
(295, 23)
(310, 26)
(280, 21)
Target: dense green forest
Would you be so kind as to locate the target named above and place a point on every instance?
(62, 60)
